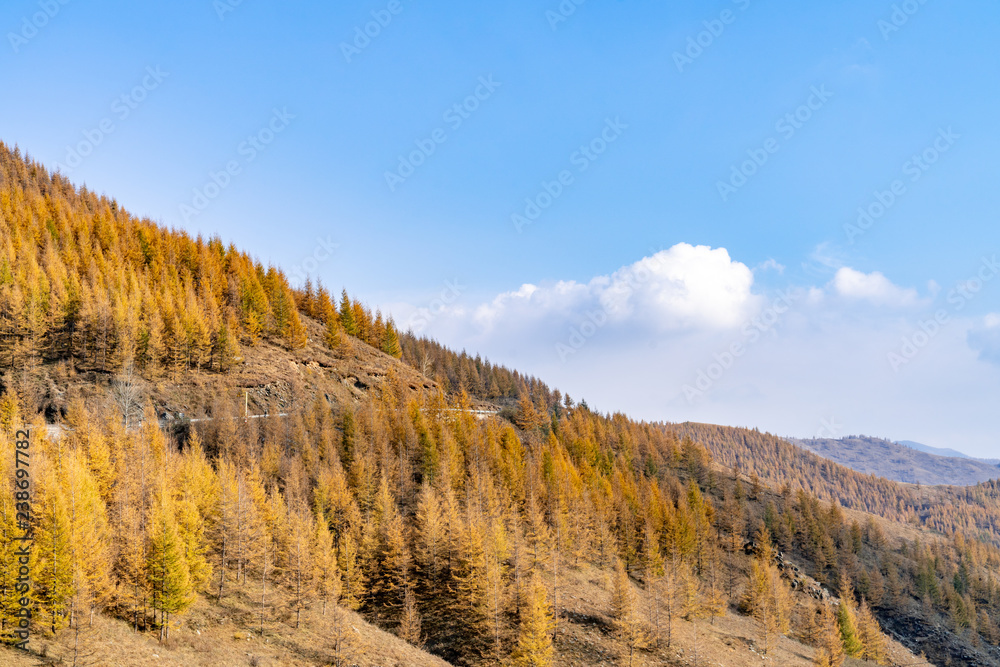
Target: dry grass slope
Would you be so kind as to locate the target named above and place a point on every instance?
(227, 635)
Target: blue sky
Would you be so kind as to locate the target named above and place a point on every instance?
(310, 128)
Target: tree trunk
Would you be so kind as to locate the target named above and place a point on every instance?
(222, 567)
(263, 592)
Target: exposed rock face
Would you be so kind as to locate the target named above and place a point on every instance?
(936, 643)
(791, 572)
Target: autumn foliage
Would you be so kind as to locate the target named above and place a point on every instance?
(457, 533)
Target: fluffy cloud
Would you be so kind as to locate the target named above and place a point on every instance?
(684, 288)
(872, 287)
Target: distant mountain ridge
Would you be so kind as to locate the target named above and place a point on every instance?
(900, 462)
(938, 451)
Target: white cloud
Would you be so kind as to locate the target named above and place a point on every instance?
(770, 265)
(815, 296)
(872, 287)
(684, 288)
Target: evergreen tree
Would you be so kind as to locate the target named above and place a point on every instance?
(690, 605)
(297, 559)
(377, 332)
(847, 624)
(534, 640)
(767, 597)
(409, 625)
(826, 635)
(347, 315)
(333, 335)
(151, 347)
(169, 575)
(191, 532)
(226, 520)
(390, 340)
(53, 567)
(471, 577)
(323, 308)
(197, 499)
(349, 433)
(871, 637)
(326, 574)
(628, 624)
(295, 332)
(354, 585)
(89, 536)
(431, 537)
(527, 417)
(253, 325)
(226, 351)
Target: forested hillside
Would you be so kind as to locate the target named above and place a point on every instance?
(458, 372)
(948, 452)
(548, 534)
(973, 511)
(83, 281)
(898, 462)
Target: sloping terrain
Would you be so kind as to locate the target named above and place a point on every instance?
(217, 458)
(900, 463)
(277, 380)
(213, 635)
(963, 518)
(267, 379)
(938, 451)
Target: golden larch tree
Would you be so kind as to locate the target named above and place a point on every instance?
(534, 639)
(767, 597)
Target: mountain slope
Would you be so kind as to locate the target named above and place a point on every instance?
(946, 510)
(937, 451)
(899, 462)
(360, 482)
